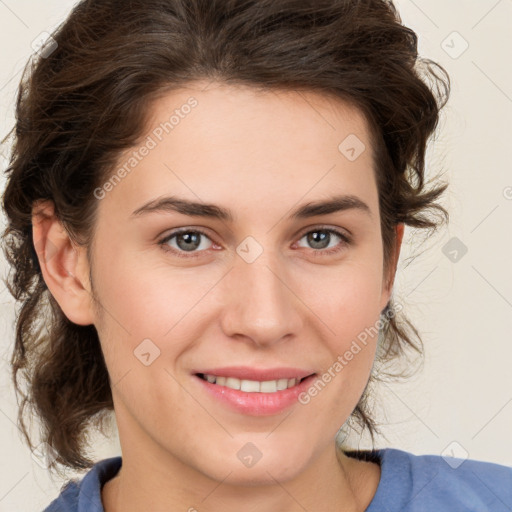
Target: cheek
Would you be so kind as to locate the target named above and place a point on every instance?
(145, 298)
(349, 311)
(347, 298)
(141, 303)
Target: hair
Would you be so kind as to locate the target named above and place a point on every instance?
(81, 105)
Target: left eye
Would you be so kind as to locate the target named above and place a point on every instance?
(188, 240)
(319, 236)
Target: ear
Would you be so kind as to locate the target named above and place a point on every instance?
(393, 263)
(63, 264)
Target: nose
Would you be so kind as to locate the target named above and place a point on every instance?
(261, 304)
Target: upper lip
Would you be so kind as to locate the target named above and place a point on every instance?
(261, 374)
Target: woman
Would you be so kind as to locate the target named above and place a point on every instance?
(211, 195)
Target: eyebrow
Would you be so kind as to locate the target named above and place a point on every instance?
(197, 209)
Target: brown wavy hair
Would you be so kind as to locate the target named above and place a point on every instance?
(83, 103)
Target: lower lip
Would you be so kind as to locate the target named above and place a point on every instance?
(257, 404)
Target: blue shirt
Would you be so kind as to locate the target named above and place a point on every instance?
(408, 483)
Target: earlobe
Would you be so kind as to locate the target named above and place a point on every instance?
(63, 264)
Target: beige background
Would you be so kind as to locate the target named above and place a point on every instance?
(461, 403)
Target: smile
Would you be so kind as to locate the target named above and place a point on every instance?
(252, 386)
(252, 397)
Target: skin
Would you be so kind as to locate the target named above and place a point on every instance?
(261, 154)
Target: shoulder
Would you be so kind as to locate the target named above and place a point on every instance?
(421, 483)
(85, 494)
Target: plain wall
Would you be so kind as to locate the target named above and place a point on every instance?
(461, 402)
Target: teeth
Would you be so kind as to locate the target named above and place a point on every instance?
(252, 386)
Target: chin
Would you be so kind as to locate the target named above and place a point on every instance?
(279, 466)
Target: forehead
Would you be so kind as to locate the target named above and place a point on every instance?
(228, 143)
(268, 122)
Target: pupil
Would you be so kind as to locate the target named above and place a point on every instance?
(189, 237)
(322, 236)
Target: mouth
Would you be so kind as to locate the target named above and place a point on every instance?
(254, 398)
(253, 386)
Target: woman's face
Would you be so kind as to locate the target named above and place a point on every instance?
(263, 288)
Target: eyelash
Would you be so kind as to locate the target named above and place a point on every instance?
(316, 252)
